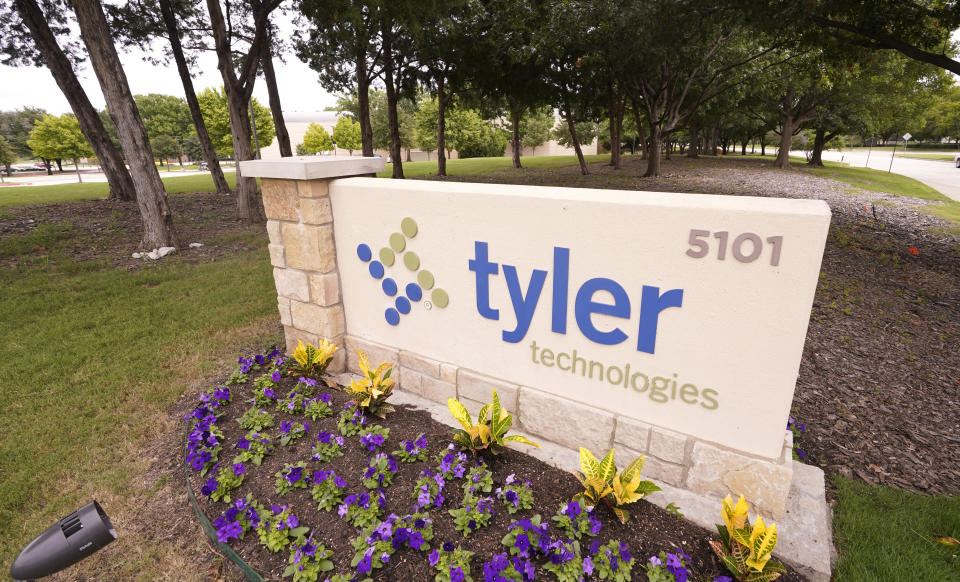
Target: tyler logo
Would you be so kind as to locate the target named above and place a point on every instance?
(421, 281)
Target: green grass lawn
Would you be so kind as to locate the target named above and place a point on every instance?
(92, 358)
(26, 195)
(481, 166)
(878, 181)
(888, 534)
(928, 156)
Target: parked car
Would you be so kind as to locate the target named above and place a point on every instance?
(203, 166)
(956, 160)
(39, 166)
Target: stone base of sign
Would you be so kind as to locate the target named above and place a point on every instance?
(675, 459)
(805, 533)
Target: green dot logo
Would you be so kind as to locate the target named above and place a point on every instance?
(402, 295)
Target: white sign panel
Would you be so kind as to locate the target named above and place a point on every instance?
(685, 311)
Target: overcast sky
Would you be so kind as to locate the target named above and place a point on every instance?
(35, 87)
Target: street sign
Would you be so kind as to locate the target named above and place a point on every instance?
(906, 137)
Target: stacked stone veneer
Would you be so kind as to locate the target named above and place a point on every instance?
(671, 457)
(304, 259)
(303, 254)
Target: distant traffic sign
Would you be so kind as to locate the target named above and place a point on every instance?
(907, 136)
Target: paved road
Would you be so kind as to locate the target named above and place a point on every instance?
(940, 175)
(71, 177)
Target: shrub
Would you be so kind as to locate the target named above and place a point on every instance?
(746, 550)
(312, 361)
(601, 481)
(370, 394)
(493, 422)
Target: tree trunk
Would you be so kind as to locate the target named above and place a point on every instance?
(151, 198)
(283, 137)
(441, 129)
(121, 185)
(573, 138)
(786, 136)
(694, 140)
(653, 163)
(616, 127)
(363, 102)
(515, 113)
(176, 47)
(669, 146)
(249, 207)
(763, 145)
(816, 156)
(76, 165)
(59, 165)
(393, 123)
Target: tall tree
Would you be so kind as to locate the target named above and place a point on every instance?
(341, 43)
(155, 214)
(44, 49)
(273, 92)
(139, 22)
(7, 156)
(216, 115)
(57, 138)
(238, 81)
(918, 30)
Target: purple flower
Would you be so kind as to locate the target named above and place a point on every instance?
(434, 557)
(239, 469)
(292, 521)
(587, 566)
(522, 543)
(416, 540)
(269, 393)
(723, 579)
(294, 474)
(275, 376)
(365, 565)
(243, 444)
(456, 574)
(324, 437)
(655, 561)
(228, 531)
(210, 486)
(259, 359)
(339, 482)
(572, 510)
(595, 524)
(285, 427)
(325, 397)
(447, 547)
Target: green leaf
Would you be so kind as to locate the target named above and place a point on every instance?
(482, 417)
(459, 413)
(647, 487)
(589, 464)
(516, 438)
(635, 466)
(607, 467)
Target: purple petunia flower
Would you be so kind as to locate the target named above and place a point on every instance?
(285, 427)
(723, 579)
(269, 393)
(275, 376)
(210, 486)
(434, 557)
(239, 469)
(587, 566)
(228, 531)
(456, 574)
(292, 521)
(655, 561)
(522, 543)
(447, 547)
(365, 565)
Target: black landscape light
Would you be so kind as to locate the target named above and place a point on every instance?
(66, 542)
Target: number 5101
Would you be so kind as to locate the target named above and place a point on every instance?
(746, 247)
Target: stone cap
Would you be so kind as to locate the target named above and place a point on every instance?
(312, 167)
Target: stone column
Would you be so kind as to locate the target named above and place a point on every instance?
(300, 225)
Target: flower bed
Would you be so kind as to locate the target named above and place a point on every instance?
(342, 496)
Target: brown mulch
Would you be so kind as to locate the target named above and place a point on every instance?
(650, 530)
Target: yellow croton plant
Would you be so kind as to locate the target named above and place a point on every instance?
(312, 361)
(743, 548)
(370, 393)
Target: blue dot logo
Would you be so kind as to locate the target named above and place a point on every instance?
(403, 305)
(389, 287)
(393, 318)
(376, 269)
(414, 292)
(364, 252)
